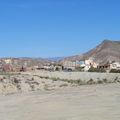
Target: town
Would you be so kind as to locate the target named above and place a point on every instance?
(23, 65)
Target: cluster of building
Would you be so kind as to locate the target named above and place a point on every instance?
(11, 65)
(82, 65)
(85, 65)
(16, 65)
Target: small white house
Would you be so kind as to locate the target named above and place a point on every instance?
(8, 61)
(88, 64)
(115, 65)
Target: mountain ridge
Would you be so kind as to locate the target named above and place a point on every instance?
(106, 51)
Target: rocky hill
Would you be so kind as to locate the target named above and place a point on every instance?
(106, 51)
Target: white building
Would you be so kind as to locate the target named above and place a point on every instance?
(8, 61)
(87, 64)
(115, 65)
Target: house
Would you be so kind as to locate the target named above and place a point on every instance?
(84, 64)
(69, 65)
(8, 60)
(115, 65)
(105, 67)
(108, 66)
(87, 64)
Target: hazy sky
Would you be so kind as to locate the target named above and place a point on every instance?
(50, 28)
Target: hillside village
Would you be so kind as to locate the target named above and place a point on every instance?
(103, 58)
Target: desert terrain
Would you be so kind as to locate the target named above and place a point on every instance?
(43, 95)
(50, 81)
(88, 102)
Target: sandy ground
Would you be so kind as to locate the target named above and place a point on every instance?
(89, 102)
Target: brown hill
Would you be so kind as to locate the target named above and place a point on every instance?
(106, 51)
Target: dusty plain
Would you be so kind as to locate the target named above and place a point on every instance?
(72, 102)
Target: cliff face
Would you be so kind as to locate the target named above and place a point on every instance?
(106, 51)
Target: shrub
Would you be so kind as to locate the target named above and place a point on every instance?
(63, 85)
(114, 71)
(16, 80)
(90, 82)
(92, 69)
(105, 80)
(80, 69)
(55, 79)
(100, 82)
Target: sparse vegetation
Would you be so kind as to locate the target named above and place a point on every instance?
(63, 85)
(91, 81)
(78, 81)
(92, 69)
(105, 80)
(8, 73)
(15, 80)
(39, 82)
(46, 87)
(54, 79)
(114, 71)
(100, 82)
(80, 69)
(117, 79)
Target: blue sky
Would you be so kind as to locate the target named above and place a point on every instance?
(52, 28)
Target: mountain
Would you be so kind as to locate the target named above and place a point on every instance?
(106, 51)
(56, 59)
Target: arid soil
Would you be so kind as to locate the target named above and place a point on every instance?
(88, 102)
(47, 81)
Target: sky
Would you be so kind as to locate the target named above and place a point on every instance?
(55, 28)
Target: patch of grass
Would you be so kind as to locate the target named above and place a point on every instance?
(116, 79)
(91, 81)
(105, 80)
(80, 82)
(55, 79)
(100, 82)
(18, 87)
(8, 73)
(42, 77)
(92, 69)
(63, 85)
(114, 71)
(35, 83)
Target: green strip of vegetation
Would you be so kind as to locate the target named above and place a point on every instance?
(81, 82)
